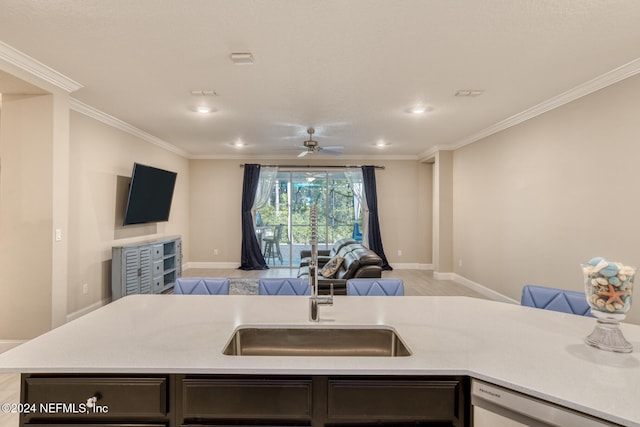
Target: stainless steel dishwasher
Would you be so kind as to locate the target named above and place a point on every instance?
(495, 406)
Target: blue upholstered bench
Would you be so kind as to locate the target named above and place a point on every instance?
(375, 287)
(573, 302)
(284, 286)
(201, 286)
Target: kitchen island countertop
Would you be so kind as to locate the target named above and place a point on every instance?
(537, 352)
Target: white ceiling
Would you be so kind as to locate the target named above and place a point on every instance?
(349, 68)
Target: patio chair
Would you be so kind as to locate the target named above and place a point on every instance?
(272, 245)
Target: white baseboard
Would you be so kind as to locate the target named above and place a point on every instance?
(87, 309)
(9, 344)
(411, 266)
(443, 276)
(490, 293)
(225, 265)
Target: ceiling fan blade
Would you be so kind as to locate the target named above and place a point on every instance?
(325, 151)
(304, 153)
(333, 147)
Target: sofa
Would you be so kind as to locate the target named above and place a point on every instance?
(357, 262)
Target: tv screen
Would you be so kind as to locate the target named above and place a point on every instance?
(150, 195)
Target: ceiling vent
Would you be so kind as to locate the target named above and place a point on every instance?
(242, 58)
(203, 92)
(468, 93)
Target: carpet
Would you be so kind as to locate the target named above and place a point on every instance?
(243, 287)
(236, 287)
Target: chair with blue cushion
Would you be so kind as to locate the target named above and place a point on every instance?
(375, 287)
(200, 286)
(284, 286)
(564, 301)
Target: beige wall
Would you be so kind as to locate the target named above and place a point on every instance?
(26, 215)
(101, 161)
(443, 214)
(534, 201)
(404, 199)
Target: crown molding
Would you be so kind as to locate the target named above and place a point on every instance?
(306, 159)
(614, 76)
(37, 68)
(103, 117)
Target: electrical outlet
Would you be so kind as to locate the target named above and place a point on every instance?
(399, 252)
(85, 288)
(215, 252)
(460, 262)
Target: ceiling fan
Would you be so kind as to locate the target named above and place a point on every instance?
(311, 146)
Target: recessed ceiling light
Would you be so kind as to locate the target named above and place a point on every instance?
(381, 143)
(202, 109)
(244, 58)
(239, 144)
(417, 109)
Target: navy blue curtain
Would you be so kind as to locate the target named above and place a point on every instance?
(251, 255)
(375, 241)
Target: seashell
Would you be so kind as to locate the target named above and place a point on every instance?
(627, 270)
(600, 265)
(617, 306)
(622, 277)
(600, 302)
(614, 281)
(602, 281)
(610, 270)
(594, 261)
(610, 307)
(619, 265)
(593, 298)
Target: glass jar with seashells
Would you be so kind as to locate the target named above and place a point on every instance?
(609, 289)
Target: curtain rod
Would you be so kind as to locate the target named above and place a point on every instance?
(316, 166)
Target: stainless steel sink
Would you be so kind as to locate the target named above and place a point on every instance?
(314, 341)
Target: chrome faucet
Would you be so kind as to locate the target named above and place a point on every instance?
(315, 299)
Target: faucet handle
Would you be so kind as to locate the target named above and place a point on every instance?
(330, 298)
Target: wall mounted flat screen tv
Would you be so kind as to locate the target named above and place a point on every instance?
(150, 195)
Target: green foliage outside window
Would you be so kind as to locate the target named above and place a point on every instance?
(337, 210)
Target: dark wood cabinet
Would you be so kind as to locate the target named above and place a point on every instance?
(212, 399)
(383, 399)
(323, 400)
(221, 400)
(95, 399)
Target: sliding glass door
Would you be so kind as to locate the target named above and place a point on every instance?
(283, 224)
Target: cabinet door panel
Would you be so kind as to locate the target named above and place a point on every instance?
(146, 270)
(131, 271)
(75, 424)
(121, 397)
(393, 399)
(246, 398)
